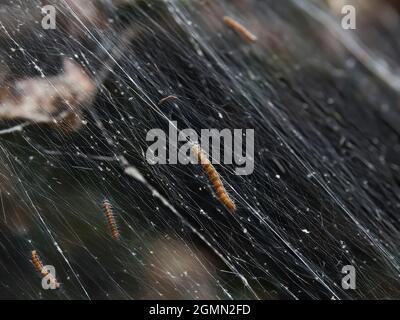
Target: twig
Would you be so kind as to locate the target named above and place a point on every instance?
(16, 128)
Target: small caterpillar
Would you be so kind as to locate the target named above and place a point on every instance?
(108, 211)
(171, 97)
(240, 29)
(41, 270)
(213, 175)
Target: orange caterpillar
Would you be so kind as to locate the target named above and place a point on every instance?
(41, 270)
(240, 29)
(108, 211)
(168, 98)
(223, 196)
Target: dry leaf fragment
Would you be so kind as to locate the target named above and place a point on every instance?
(48, 99)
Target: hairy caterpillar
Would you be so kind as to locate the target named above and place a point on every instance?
(240, 29)
(108, 211)
(170, 97)
(41, 270)
(213, 175)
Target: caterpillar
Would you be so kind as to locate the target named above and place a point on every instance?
(108, 211)
(170, 97)
(240, 29)
(213, 175)
(38, 264)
